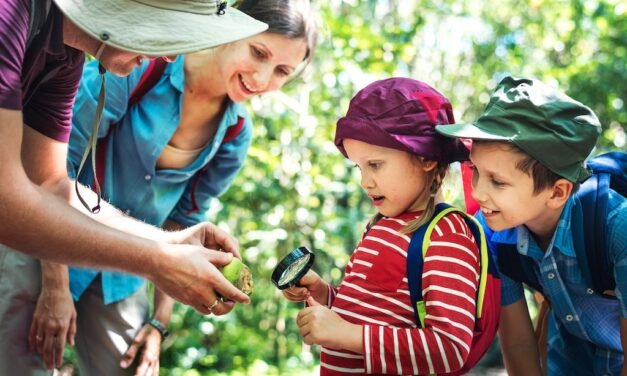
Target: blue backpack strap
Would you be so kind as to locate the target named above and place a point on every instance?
(615, 164)
(418, 246)
(414, 273)
(517, 267)
(587, 229)
(589, 218)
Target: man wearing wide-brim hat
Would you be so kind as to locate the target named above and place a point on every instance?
(42, 46)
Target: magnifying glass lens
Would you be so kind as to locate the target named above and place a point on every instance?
(292, 268)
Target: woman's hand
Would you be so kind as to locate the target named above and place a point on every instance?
(148, 342)
(54, 323)
(310, 285)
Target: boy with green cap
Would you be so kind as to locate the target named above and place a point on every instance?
(529, 148)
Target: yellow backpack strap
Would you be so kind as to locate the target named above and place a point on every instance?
(477, 231)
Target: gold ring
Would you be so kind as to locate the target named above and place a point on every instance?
(213, 305)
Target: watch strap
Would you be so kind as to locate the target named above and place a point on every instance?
(159, 326)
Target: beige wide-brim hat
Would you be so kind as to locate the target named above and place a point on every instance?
(160, 27)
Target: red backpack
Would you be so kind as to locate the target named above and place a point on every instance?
(488, 294)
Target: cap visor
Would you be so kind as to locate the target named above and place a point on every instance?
(148, 30)
(468, 131)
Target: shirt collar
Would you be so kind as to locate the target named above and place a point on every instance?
(177, 76)
(563, 237)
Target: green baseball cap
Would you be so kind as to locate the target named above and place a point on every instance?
(551, 127)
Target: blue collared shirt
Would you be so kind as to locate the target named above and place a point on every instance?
(591, 322)
(131, 181)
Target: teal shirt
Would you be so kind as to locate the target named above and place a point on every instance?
(138, 136)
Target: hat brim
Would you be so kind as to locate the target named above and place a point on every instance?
(148, 30)
(468, 130)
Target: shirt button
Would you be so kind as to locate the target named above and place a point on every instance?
(550, 275)
(589, 291)
(148, 177)
(569, 317)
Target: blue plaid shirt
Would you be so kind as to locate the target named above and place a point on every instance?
(131, 181)
(584, 331)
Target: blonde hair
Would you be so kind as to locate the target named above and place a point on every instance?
(437, 177)
(439, 173)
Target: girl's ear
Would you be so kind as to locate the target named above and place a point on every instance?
(427, 165)
(560, 192)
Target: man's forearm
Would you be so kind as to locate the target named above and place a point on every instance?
(112, 217)
(163, 303)
(41, 224)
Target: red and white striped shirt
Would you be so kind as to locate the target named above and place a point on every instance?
(374, 293)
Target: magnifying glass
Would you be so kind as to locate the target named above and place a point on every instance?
(292, 268)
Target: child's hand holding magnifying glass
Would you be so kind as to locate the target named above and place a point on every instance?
(293, 275)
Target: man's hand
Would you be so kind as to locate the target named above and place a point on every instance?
(54, 322)
(319, 325)
(148, 342)
(190, 275)
(310, 285)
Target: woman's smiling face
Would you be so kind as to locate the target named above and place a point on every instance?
(259, 64)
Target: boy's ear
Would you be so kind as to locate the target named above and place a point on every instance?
(560, 192)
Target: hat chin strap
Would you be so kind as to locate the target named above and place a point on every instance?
(90, 148)
(100, 51)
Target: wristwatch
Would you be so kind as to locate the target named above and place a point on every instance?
(159, 326)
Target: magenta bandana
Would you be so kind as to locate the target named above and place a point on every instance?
(401, 113)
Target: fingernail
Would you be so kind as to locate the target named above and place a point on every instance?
(123, 364)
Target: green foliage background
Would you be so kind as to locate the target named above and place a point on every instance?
(296, 188)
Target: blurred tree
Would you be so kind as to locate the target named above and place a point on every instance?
(296, 189)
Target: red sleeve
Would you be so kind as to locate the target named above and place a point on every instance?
(450, 281)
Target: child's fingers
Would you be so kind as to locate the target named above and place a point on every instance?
(296, 294)
(309, 278)
(312, 302)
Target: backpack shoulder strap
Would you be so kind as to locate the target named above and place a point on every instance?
(417, 250)
(516, 266)
(234, 130)
(39, 10)
(589, 216)
(149, 79)
(588, 229)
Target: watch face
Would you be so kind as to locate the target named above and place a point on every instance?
(294, 269)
